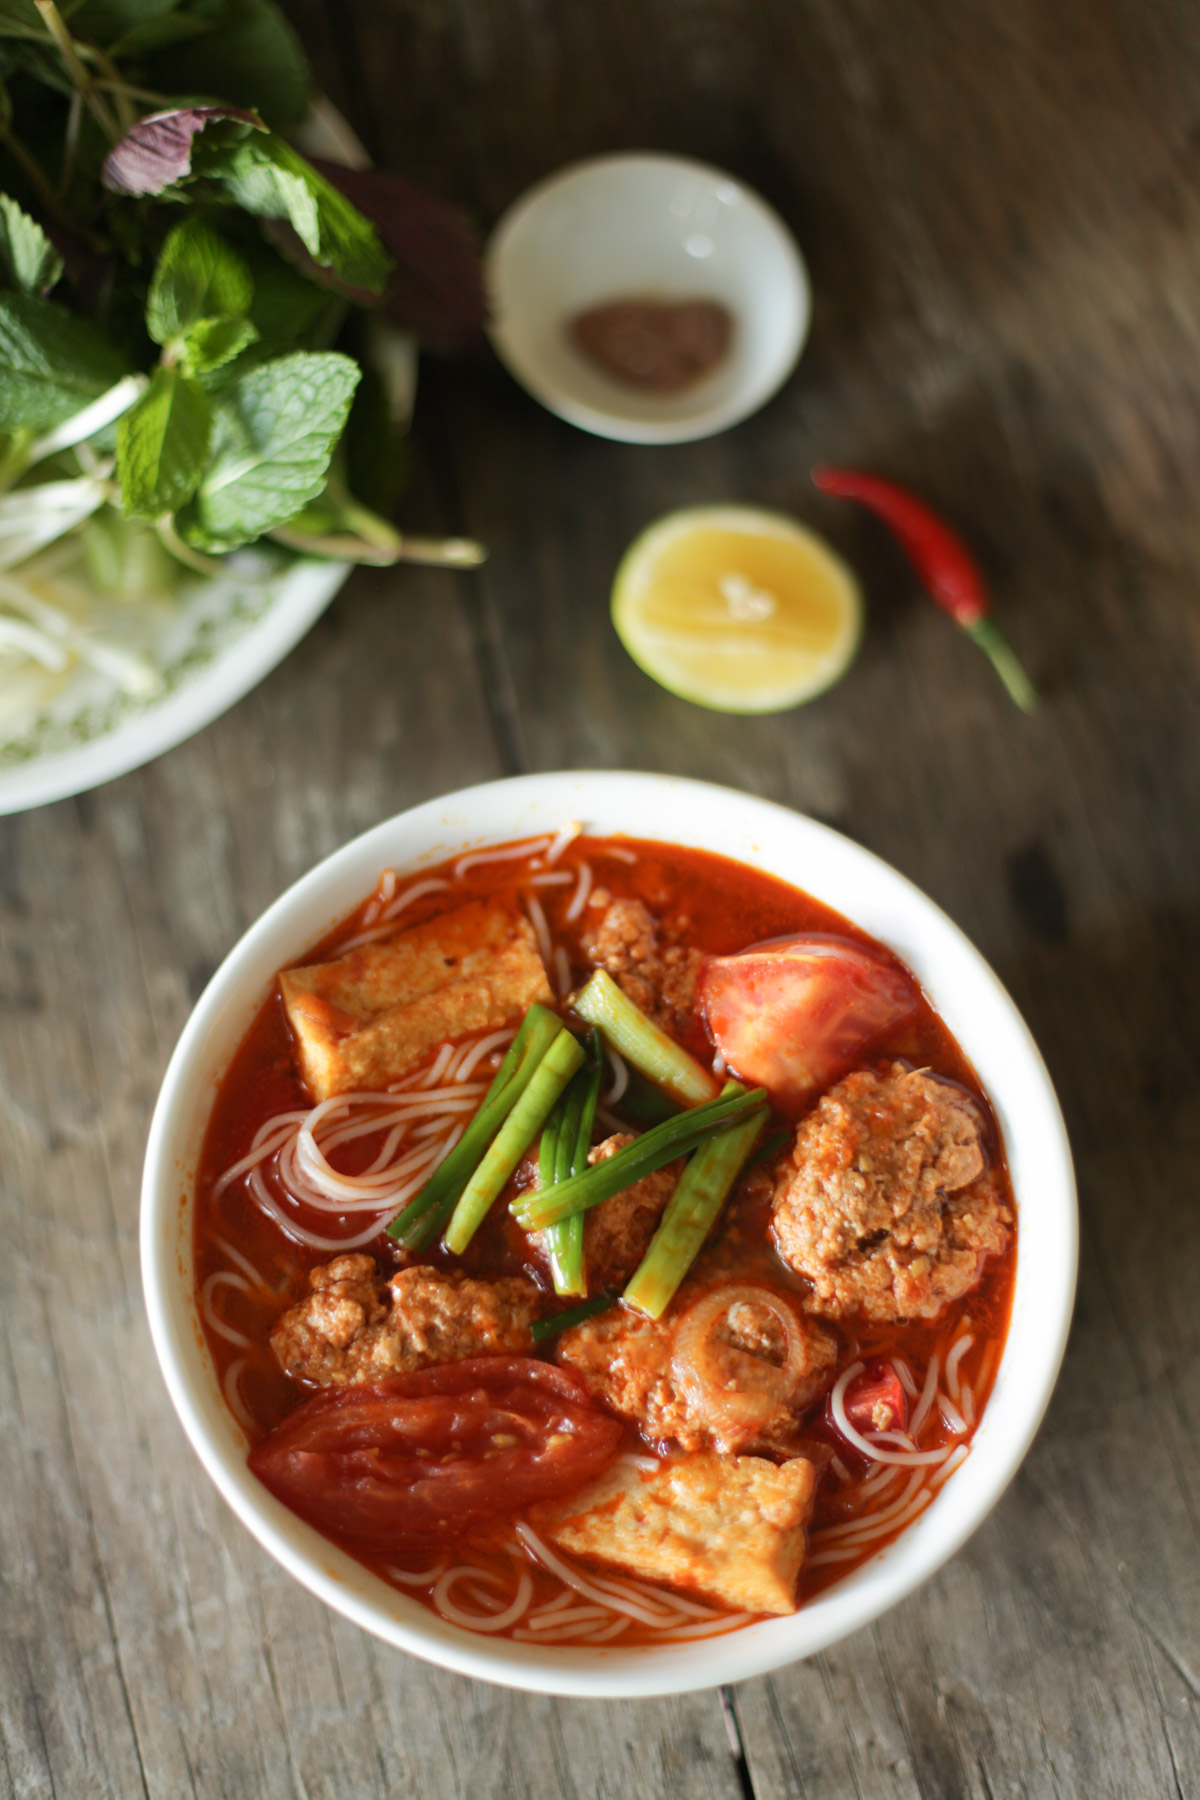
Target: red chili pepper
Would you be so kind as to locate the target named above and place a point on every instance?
(945, 565)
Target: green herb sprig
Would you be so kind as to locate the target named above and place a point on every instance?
(196, 320)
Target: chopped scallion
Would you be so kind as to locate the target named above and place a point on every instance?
(525, 1119)
(643, 1043)
(426, 1214)
(691, 1213)
(541, 1329)
(674, 1137)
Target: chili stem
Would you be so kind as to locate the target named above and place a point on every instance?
(641, 1042)
(1004, 660)
(691, 1213)
(675, 1137)
(518, 1131)
(428, 1211)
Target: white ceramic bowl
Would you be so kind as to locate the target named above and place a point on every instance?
(645, 226)
(846, 877)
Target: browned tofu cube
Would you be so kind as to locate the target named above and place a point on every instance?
(362, 1021)
(729, 1527)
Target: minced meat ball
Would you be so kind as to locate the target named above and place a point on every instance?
(353, 1326)
(885, 1205)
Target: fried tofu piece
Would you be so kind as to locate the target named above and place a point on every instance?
(365, 1019)
(732, 1528)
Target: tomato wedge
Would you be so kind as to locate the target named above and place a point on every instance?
(428, 1458)
(876, 1401)
(795, 1014)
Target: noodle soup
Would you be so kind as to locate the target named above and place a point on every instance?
(796, 1315)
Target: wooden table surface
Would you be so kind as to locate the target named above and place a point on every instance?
(1000, 208)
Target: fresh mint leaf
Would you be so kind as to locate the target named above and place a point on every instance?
(265, 176)
(28, 260)
(197, 276)
(273, 436)
(211, 343)
(162, 444)
(285, 306)
(158, 152)
(51, 363)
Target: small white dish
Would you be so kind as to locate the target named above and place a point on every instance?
(846, 877)
(645, 227)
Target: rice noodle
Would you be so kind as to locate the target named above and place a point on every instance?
(231, 1389)
(839, 1468)
(387, 885)
(719, 1065)
(906, 1377)
(573, 1578)
(212, 1318)
(537, 919)
(625, 856)
(416, 1577)
(494, 1041)
(872, 1448)
(562, 972)
(620, 1076)
(854, 1528)
(954, 1461)
(966, 1400)
(560, 878)
(591, 1616)
(925, 1403)
(952, 1416)
(953, 1357)
(579, 897)
(496, 1621)
(724, 1622)
(477, 857)
(439, 1067)
(569, 832)
(619, 1624)
(244, 1264)
(434, 885)
(831, 1556)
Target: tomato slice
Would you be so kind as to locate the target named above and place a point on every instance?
(428, 1458)
(876, 1401)
(794, 1015)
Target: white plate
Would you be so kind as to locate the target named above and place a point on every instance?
(810, 856)
(215, 643)
(645, 226)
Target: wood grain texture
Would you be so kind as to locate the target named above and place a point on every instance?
(999, 206)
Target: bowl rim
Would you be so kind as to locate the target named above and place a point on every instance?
(496, 812)
(610, 422)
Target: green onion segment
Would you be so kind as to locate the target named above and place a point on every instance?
(674, 1137)
(691, 1212)
(525, 1119)
(427, 1212)
(541, 1329)
(644, 1044)
(571, 1130)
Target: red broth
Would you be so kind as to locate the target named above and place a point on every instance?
(248, 1270)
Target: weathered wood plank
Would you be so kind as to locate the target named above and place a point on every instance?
(1000, 213)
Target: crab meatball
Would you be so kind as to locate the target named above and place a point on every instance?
(885, 1205)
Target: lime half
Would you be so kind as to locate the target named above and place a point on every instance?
(735, 609)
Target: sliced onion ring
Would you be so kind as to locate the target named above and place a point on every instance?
(735, 1415)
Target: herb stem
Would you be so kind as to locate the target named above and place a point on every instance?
(170, 540)
(52, 19)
